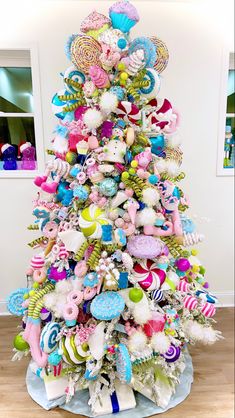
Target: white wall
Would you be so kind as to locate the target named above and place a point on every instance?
(194, 33)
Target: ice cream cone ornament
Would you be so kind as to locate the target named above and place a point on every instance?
(115, 291)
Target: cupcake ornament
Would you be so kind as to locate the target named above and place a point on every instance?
(94, 24)
(123, 15)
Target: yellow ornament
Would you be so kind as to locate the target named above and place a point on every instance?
(124, 76)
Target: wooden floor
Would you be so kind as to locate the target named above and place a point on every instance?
(211, 396)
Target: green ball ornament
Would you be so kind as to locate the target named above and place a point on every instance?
(136, 295)
(19, 343)
(71, 157)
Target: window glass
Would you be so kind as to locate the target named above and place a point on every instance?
(16, 90)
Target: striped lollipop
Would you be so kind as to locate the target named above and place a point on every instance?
(85, 51)
(208, 310)
(148, 275)
(157, 295)
(45, 315)
(48, 338)
(190, 302)
(63, 253)
(129, 112)
(162, 54)
(172, 354)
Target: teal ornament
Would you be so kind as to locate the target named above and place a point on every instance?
(48, 338)
(58, 104)
(148, 47)
(153, 179)
(108, 187)
(91, 279)
(118, 91)
(122, 43)
(74, 171)
(54, 358)
(128, 157)
(123, 280)
(157, 144)
(81, 193)
(123, 364)
(72, 73)
(15, 300)
(107, 306)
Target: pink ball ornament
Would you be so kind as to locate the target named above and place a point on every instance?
(183, 264)
(80, 269)
(156, 324)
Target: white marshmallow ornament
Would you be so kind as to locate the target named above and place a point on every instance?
(136, 62)
(91, 220)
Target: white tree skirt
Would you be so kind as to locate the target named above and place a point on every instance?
(79, 403)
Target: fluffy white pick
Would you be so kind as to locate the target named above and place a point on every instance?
(147, 216)
(161, 165)
(173, 168)
(108, 102)
(150, 196)
(60, 145)
(160, 342)
(92, 118)
(63, 286)
(137, 341)
(173, 140)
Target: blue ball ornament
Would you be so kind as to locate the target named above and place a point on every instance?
(153, 179)
(122, 43)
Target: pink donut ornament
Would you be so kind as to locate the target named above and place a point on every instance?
(208, 310)
(80, 269)
(50, 230)
(156, 324)
(148, 275)
(129, 112)
(40, 275)
(190, 302)
(75, 296)
(70, 314)
(89, 293)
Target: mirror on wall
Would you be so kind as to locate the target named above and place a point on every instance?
(20, 148)
(226, 138)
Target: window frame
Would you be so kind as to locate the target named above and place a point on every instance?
(37, 113)
(226, 65)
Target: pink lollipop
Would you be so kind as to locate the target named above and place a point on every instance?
(149, 276)
(129, 112)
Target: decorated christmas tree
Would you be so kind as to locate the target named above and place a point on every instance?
(115, 292)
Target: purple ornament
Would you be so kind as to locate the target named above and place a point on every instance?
(172, 354)
(56, 275)
(183, 264)
(106, 129)
(28, 158)
(144, 246)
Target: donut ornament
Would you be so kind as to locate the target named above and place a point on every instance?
(48, 338)
(148, 275)
(91, 220)
(129, 112)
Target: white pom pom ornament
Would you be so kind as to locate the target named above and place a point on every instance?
(160, 342)
(108, 102)
(93, 118)
(137, 341)
(150, 196)
(147, 216)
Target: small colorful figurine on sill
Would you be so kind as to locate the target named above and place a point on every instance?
(28, 152)
(9, 157)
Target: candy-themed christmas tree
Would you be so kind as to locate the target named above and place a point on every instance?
(115, 291)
